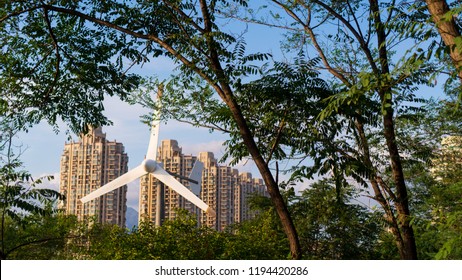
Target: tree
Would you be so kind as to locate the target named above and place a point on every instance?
(186, 31)
(178, 239)
(435, 182)
(360, 45)
(21, 202)
(442, 203)
(39, 237)
(54, 67)
(260, 238)
(449, 30)
(331, 225)
(334, 226)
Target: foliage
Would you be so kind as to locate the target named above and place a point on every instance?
(435, 179)
(177, 239)
(334, 226)
(437, 202)
(330, 226)
(261, 238)
(54, 66)
(21, 201)
(39, 237)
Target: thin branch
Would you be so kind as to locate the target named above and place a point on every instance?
(17, 13)
(213, 126)
(58, 55)
(277, 140)
(355, 33)
(139, 35)
(277, 173)
(40, 62)
(386, 188)
(134, 62)
(314, 40)
(39, 241)
(255, 21)
(355, 19)
(184, 16)
(390, 15)
(185, 32)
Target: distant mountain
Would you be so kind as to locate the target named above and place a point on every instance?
(131, 218)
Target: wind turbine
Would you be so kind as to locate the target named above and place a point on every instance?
(151, 166)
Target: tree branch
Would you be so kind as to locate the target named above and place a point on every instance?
(355, 33)
(314, 40)
(58, 55)
(276, 141)
(139, 35)
(19, 13)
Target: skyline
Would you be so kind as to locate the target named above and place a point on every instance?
(41, 142)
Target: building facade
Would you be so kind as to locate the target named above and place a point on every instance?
(88, 164)
(209, 190)
(243, 191)
(447, 165)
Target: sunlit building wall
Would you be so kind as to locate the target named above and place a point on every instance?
(88, 164)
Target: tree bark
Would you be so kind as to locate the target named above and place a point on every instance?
(271, 185)
(447, 29)
(409, 249)
(379, 194)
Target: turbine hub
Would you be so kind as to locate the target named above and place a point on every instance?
(150, 165)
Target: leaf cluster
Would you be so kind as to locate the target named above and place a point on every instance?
(55, 66)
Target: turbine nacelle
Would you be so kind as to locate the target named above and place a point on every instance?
(149, 165)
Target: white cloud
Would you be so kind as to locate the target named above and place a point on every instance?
(215, 146)
(48, 184)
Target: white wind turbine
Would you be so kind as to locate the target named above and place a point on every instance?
(151, 166)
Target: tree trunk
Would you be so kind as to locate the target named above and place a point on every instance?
(447, 29)
(409, 250)
(227, 95)
(380, 192)
(401, 201)
(271, 185)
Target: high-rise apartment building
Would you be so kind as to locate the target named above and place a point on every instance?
(209, 189)
(228, 180)
(88, 164)
(222, 188)
(447, 165)
(246, 187)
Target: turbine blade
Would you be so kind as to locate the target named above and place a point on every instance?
(154, 138)
(196, 177)
(116, 183)
(171, 182)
